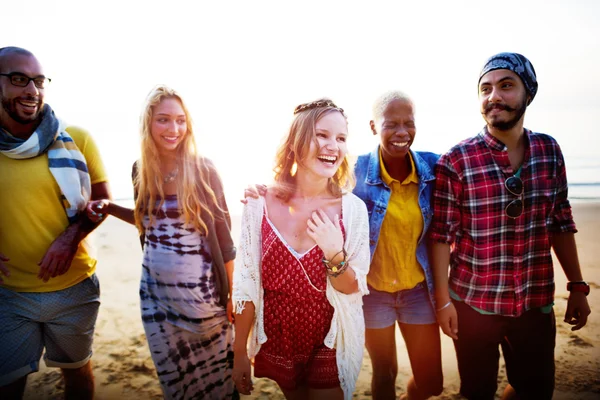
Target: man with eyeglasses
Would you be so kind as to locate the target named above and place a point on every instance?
(49, 294)
(500, 205)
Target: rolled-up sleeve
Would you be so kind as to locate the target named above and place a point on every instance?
(562, 220)
(446, 201)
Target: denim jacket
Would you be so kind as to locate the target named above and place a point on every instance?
(376, 195)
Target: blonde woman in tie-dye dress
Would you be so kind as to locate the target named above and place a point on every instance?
(187, 266)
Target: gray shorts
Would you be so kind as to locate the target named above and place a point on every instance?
(62, 322)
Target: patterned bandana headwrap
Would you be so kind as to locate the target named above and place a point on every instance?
(516, 63)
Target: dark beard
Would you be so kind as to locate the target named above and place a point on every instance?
(509, 124)
(11, 109)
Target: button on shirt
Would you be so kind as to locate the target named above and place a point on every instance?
(500, 264)
(394, 266)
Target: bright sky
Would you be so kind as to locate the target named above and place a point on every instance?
(242, 67)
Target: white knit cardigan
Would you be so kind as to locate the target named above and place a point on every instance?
(347, 331)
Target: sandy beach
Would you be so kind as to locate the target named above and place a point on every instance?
(124, 369)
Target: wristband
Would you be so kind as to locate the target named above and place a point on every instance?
(331, 267)
(444, 306)
(579, 286)
(335, 272)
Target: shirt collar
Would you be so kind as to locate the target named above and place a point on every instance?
(496, 144)
(491, 141)
(411, 178)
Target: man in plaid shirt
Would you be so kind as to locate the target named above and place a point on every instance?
(500, 205)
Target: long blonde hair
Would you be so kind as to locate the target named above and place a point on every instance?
(192, 176)
(295, 149)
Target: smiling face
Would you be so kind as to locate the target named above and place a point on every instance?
(328, 149)
(503, 99)
(169, 125)
(396, 129)
(20, 105)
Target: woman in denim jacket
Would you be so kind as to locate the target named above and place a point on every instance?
(396, 183)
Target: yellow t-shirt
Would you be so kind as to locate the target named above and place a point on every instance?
(32, 216)
(395, 266)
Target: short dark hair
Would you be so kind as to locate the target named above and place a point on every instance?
(10, 50)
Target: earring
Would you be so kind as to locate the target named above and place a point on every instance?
(294, 169)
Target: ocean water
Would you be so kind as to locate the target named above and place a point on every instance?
(583, 174)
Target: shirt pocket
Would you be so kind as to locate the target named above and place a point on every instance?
(540, 197)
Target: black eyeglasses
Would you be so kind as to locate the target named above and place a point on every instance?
(514, 185)
(22, 80)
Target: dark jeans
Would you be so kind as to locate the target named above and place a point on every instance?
(527, 345)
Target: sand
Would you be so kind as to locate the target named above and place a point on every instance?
(124, 369)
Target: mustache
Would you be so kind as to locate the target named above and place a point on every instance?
(498, 106)
(29, 98)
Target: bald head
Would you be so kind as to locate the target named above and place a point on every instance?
(21, 106)
(8, 52)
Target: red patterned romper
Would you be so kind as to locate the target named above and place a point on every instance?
(297, 316)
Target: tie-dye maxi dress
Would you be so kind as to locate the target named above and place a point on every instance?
(188, 333)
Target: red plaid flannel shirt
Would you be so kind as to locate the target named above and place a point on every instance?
(500, 264)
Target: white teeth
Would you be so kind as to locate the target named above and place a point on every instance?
(328, 158)
(29, 103)
(400, 144)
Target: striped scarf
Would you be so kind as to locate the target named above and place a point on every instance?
(66, 163)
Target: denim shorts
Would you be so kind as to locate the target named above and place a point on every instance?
(411, 306)
(62, 322)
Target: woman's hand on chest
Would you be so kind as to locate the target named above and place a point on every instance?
(306, 223)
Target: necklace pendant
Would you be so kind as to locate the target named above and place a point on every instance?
(170, 177)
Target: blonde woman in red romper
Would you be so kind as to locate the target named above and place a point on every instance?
(304, 259)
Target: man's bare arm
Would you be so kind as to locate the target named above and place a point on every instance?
(60, 254)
